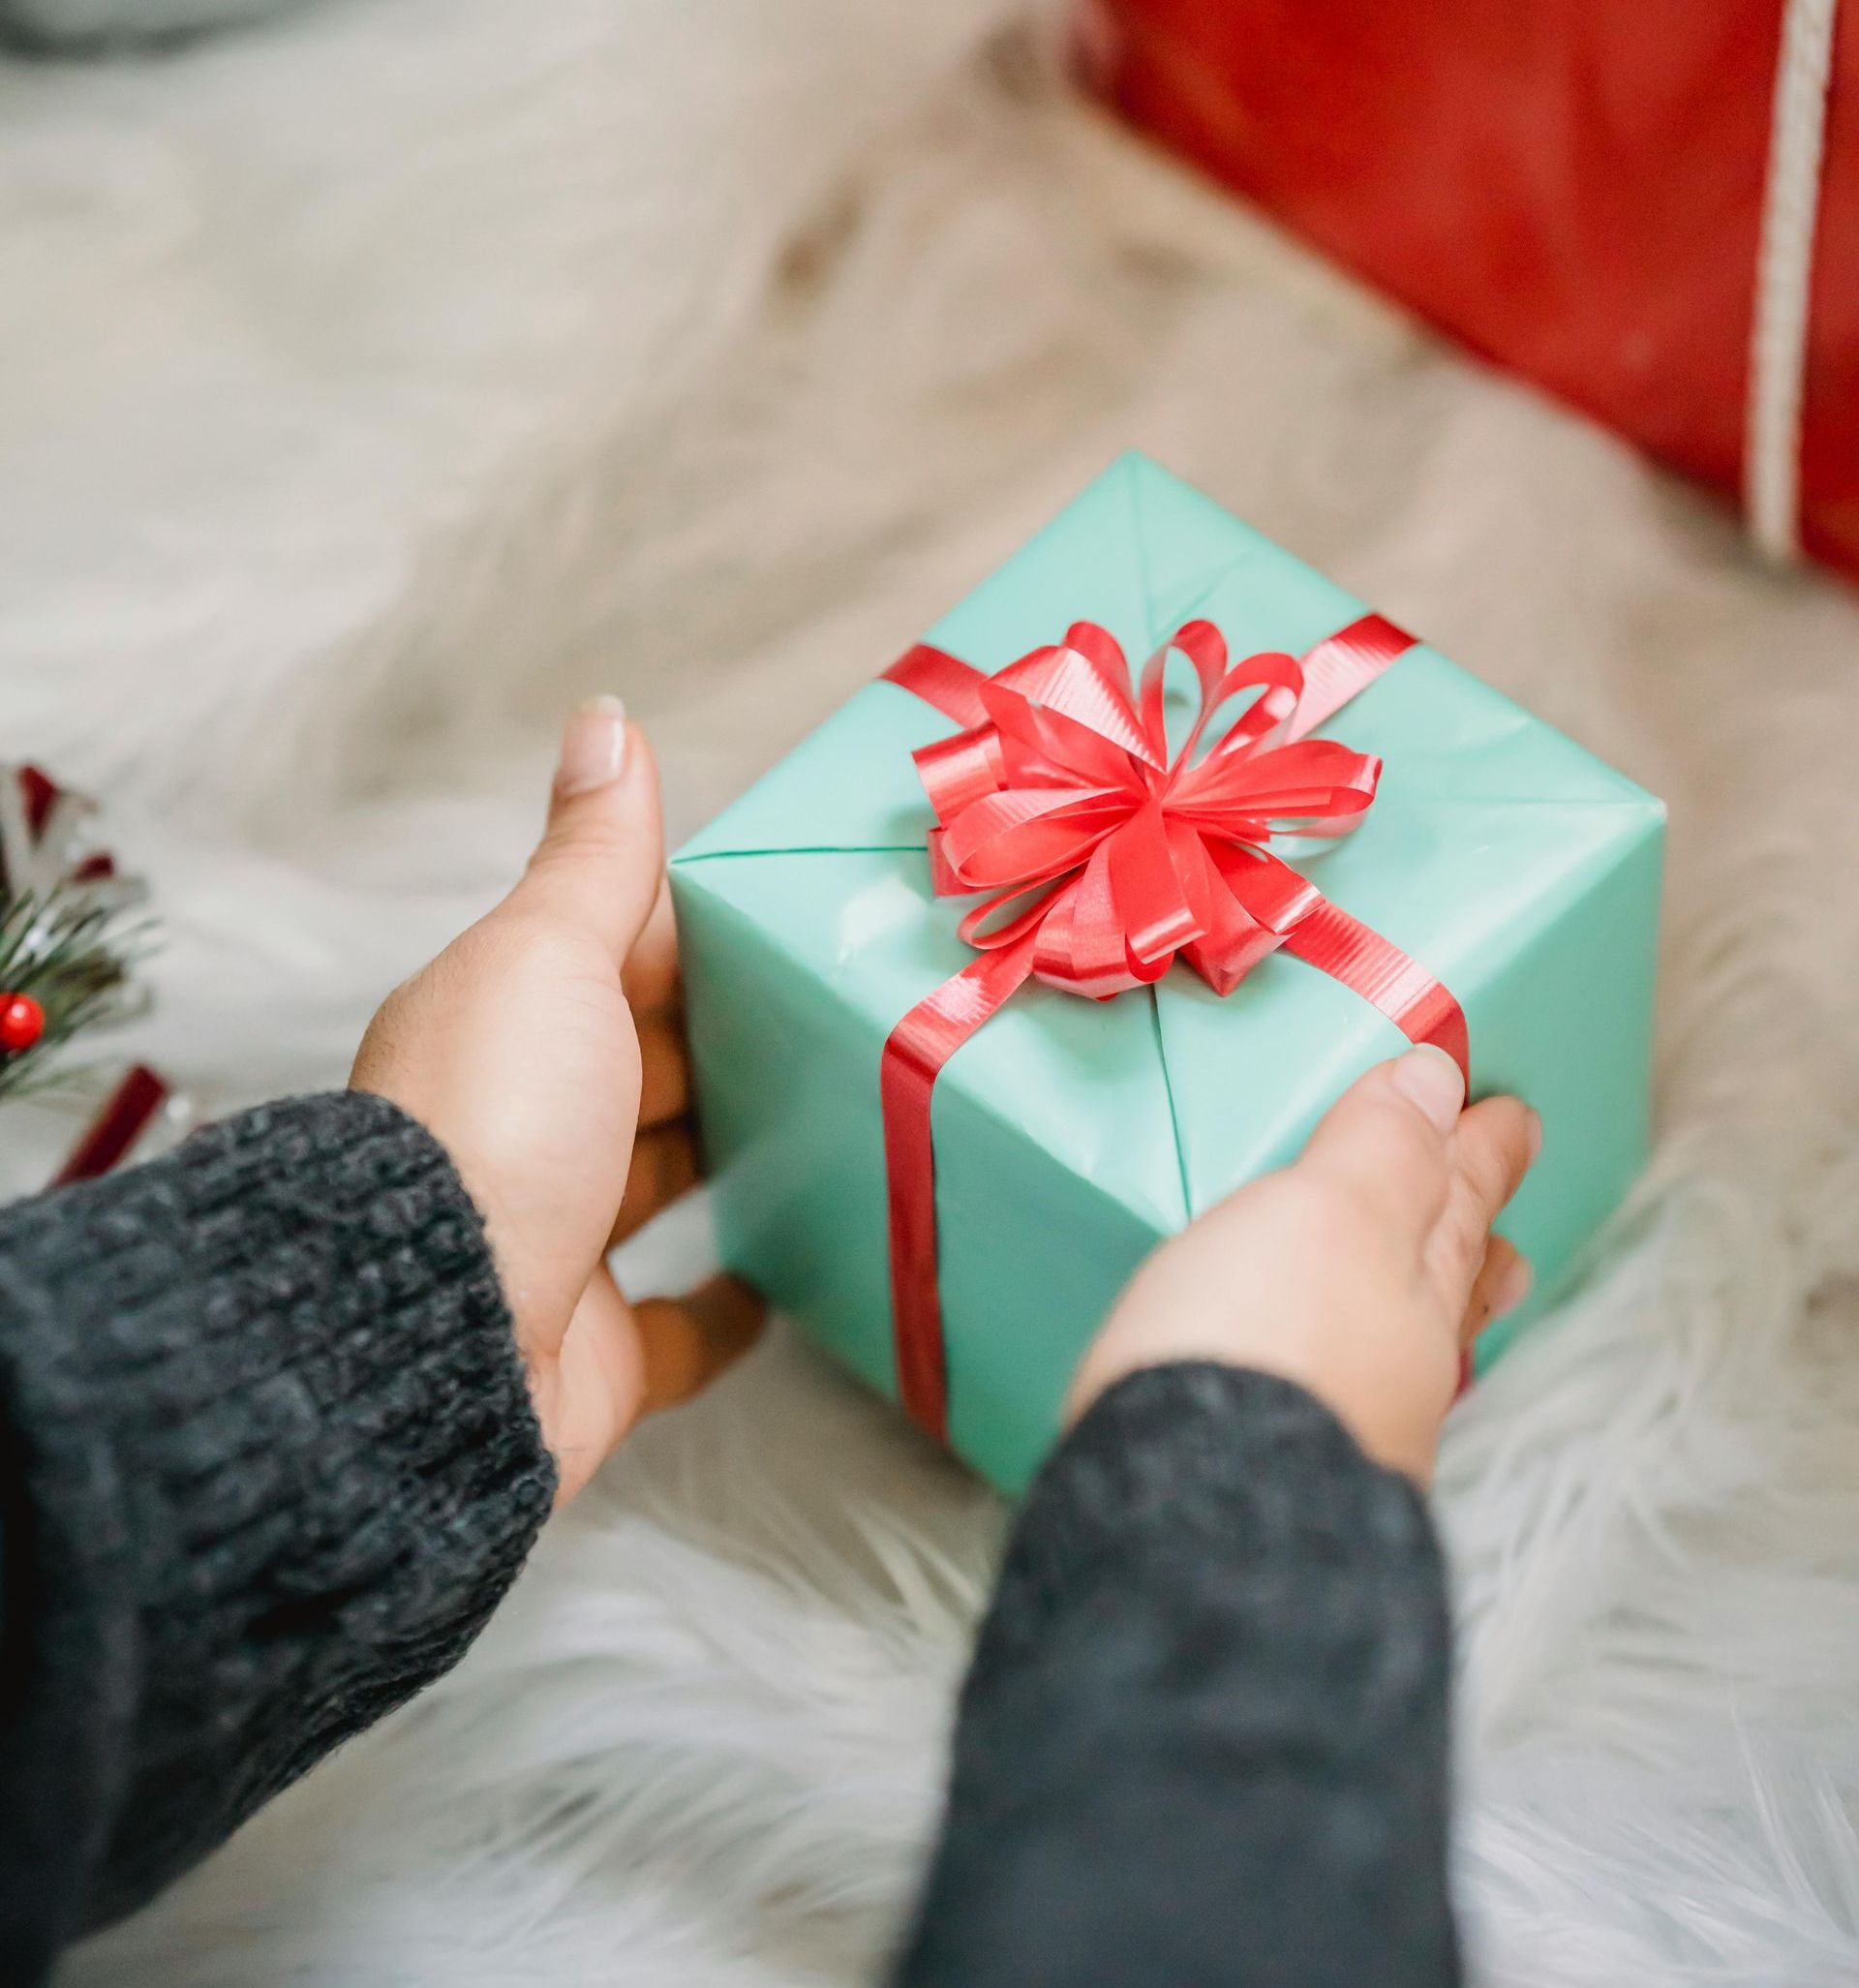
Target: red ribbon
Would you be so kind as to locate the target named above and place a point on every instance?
(1103, 858)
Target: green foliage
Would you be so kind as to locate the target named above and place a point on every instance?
(72, 951)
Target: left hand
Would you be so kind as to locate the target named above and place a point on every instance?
(542, 1048)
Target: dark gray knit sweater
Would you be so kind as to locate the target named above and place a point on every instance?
(270, 1463)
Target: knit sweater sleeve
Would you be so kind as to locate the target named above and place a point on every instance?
(270, 1463)
(1203, 1741)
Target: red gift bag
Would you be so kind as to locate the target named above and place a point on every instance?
(1652, 209)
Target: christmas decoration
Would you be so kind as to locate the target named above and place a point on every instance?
(70, 932)
(140, 1103)
(22, 1022)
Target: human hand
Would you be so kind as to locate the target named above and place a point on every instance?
(1362, 1272)
(542, 1048)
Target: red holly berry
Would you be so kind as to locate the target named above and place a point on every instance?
(22, 1022)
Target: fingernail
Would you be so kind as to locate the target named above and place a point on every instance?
(1430, 1078)
(1536, 1136)
(1515, 1287)
(594, 746)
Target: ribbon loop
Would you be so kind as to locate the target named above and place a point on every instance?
(1071, 777)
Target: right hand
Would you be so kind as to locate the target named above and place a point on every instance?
(1364, 1271)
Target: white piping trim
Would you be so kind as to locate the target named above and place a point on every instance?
(1783, 272)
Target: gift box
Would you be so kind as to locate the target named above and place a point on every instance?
(1651, 210)
(943, 1129)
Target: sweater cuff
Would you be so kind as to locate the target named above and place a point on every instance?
(1207, 1464)
(278, 1463)
(1204, 1737)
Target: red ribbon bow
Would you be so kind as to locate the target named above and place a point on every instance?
(1060, 791)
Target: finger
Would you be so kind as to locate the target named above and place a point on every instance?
(595, 1387)
(1502, 1284)
(666, 1080)
(600, 861)
(650, 975)
(665, 1165)
(619, 1362)
(1387, 1139)
(1495, 1146)
(1491, 1151)
(686, 1342)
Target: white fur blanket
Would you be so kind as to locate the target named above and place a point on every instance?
(372, 384)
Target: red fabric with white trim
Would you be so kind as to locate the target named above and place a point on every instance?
(1575, 191)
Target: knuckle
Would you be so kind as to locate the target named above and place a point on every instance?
(1357, 1198)
(1410, 1140)
(1308, 1212)
(1488, 1178)
(1391, 1161)
(518, 930)
(394, 1042)
(403, 1015)
(566, 845)
(1465, 1233)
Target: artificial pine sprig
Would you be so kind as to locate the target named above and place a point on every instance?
(64, 962)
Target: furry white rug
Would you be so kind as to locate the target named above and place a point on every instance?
(374, 383)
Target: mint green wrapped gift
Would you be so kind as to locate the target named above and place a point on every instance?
(1068, 1135)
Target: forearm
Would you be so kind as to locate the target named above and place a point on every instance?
(272, 1463)
(1203, 1740)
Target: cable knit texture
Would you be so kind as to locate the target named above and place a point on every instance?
(271, 1463)
(1203, 1738)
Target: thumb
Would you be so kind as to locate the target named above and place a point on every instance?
(1388, 1137)
(598, 863)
